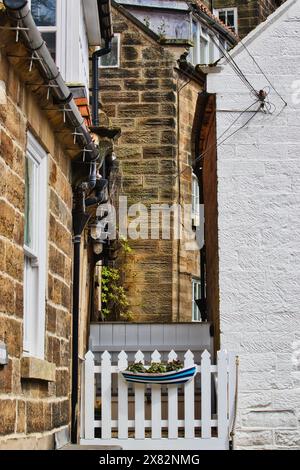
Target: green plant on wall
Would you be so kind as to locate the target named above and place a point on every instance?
(115, 304)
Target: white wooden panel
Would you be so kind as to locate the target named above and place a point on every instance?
(172, 404)
(157, 335)
(222, 394)
(106, 395)
(106, 336)
(131, 335)
(144, 335)
(139, 405)
(119, 336)
(89, 395)
(189, 396)
(205, 396)
(122, 398)
(156, 402)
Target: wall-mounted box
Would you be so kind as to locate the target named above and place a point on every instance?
(3, 354)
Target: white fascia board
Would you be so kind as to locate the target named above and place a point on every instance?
(91, 16)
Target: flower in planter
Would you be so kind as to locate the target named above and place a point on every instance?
(137, 367)
(174, 365)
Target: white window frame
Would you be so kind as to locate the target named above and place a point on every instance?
(196, 314)
(36, 255)
(118, 37)
(60, 30)
(195, 50)
(226, 10)
(195, 201)
(204, 46)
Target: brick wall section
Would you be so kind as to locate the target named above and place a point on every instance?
(141, 97)
(250, 13)
(259, 205)
(32, 410)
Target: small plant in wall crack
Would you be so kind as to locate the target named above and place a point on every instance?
(113, 295)
(114, 300)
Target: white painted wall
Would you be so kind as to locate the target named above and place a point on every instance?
(259, 232)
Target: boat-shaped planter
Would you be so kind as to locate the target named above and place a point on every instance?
(180, 376)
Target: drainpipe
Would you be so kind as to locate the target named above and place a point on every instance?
(80, 219)
(95, 79)
(20, 12)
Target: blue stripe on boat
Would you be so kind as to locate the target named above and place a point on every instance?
(177, 375)
(165, 383)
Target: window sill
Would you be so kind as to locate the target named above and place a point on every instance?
(37, 369)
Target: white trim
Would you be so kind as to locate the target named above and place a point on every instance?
(35, 258)
(197, 282)
(118, 37)
(91, 16)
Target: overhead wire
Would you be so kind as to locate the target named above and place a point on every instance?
(217, 144)
(263, 73)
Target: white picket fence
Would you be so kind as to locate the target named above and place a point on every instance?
(199, 428)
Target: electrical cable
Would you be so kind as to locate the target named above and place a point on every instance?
(261, 70)
(235, 67)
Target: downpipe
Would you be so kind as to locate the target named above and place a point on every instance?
(95, 81)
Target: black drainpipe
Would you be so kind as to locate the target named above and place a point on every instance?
(95, 78)
(80, 219)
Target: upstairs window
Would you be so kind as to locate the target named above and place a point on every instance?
(195, 201)
(196, 295)
(112, 60)
(44, 13)
(229, 16)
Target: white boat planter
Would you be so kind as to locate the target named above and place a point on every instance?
(180, 376)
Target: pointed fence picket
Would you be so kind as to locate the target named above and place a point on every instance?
(139, 413)
(159, 433)
(156, 403)
(172, 404)
(122, 398)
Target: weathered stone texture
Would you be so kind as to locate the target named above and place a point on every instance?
(30, 410)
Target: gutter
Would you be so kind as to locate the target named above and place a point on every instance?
(20, 12)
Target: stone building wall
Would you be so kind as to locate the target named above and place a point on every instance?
(258, 218)
(32, 409)
(141, 97)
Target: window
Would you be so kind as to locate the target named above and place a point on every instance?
(229, 16)
(204, 46)
(44, 13)
(195, 201)
(195, 50)
(50, 18)
(35, 237)
(196, 295)
(113, 58)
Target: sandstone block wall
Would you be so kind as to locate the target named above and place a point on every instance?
(141, 96)
(32, 410)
